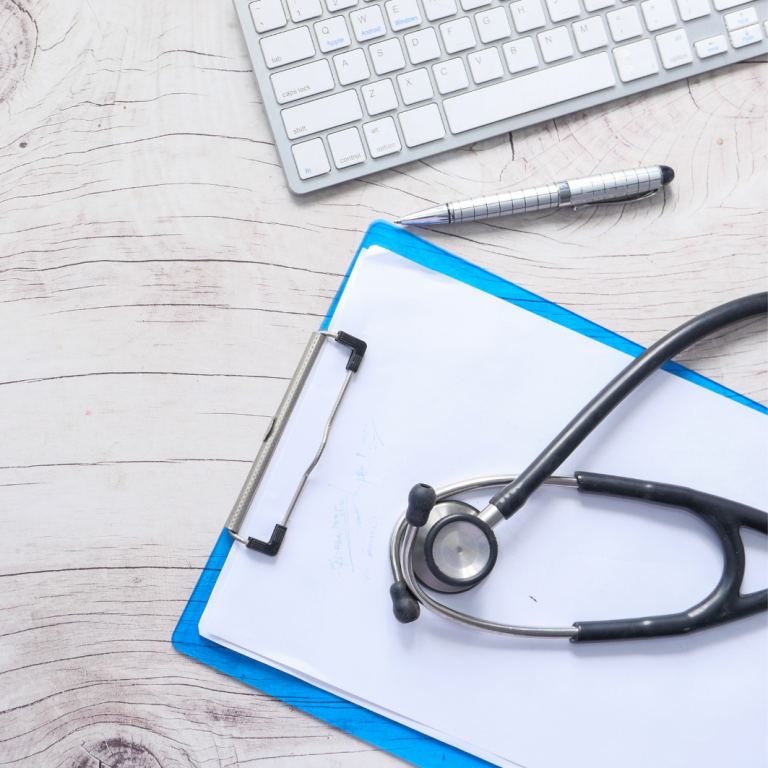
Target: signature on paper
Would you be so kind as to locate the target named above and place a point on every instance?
(353, 534)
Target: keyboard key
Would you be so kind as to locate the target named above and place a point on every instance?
(485, 65)
(311, 159)
(658, 14)
(635, 61)
(351, 67)
(367, 23)
(529, 92)
(555, 44)
(439, 9)
(560, 10)
(387, 56)
(381, 137)
(746, 36)
(712, 46)
(302, 10)
(693, 9)
(450, 76)
(268, 15)
(674, 49)
(422, 125)
(346, 148)
(590, 34)
(743, 18)
(306, 80)
(470, 5)
(287, 47)
(422, 46)
(415, 86)
(458, 35)
(493, 25)
(379, 97)
(334, 6)
(332, 34)
(624, 23)
(724, 5)
(527, 15)
(520, 55)
(322, 114)
(597, 5)
(403, 14)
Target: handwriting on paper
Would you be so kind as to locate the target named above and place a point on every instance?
(353, 531)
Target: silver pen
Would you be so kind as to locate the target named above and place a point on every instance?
(618, 187)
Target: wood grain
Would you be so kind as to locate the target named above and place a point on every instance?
(157, 286)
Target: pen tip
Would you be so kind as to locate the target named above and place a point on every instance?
(667, 174)
(398, 221)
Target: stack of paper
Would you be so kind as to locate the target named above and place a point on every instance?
(458, 384)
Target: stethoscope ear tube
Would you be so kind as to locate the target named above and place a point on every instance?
(725, 518)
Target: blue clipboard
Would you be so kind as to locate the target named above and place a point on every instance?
(408, 744)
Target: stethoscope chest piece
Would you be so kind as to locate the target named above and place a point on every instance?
(455, 550)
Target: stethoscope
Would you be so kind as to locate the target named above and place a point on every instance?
(446, 545)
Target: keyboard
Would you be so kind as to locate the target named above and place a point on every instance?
(352, 87)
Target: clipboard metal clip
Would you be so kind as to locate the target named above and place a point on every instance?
(619, 200)
(275, 432)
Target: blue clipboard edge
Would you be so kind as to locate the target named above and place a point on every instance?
(409, 246)
(406, 743)
(415, 747)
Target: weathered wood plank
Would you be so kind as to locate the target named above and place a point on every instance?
(157, 285)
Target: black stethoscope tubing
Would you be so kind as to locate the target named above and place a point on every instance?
(510, 498)
(726, 518)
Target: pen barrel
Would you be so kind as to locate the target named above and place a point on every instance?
(611, 186)
(505, 203)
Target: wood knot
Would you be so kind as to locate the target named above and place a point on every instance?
(117, 753)
(18, 40)
(103, 746)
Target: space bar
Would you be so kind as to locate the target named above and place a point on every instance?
(524, 94)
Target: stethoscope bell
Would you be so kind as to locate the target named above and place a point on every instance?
(455, 550)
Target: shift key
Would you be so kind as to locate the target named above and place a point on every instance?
(322, 114)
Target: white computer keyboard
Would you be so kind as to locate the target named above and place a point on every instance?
(355, 86)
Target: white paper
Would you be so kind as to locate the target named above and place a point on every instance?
(459, 384)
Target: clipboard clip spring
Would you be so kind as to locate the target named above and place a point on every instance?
(275, 431)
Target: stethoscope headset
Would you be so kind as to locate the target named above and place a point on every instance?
(447, 545)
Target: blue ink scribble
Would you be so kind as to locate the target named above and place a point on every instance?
(349, 543)
(360, 474)
(346, 513)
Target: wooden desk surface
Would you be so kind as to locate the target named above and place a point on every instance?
(157, 285)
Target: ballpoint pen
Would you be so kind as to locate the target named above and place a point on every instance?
(618, 187)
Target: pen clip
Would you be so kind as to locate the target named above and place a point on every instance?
(620, 200)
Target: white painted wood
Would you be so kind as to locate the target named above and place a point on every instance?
(157, 286)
